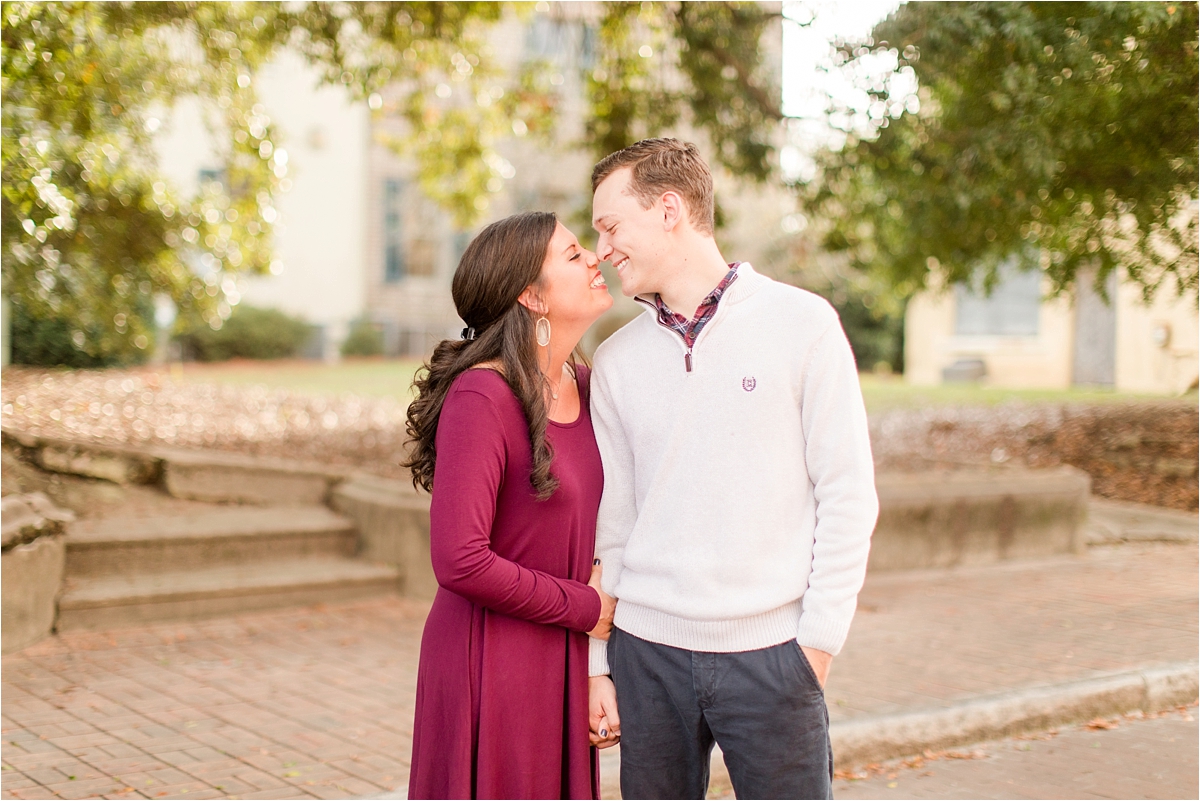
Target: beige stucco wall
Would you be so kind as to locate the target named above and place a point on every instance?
(321, 233)
(1168, 364)
(322, 246)
(1044, 361)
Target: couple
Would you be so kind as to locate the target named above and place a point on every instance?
(713, 472)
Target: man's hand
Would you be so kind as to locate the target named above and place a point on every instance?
(820, 662)
(603, 720)
(608, 605)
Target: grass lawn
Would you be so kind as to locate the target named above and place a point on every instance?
(882, 393)
(393, 377)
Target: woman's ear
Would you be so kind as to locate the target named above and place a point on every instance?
(531, 300)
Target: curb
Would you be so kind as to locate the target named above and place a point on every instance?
(875, 738)
(880, 737)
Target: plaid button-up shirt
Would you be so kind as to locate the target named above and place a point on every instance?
(690, 329)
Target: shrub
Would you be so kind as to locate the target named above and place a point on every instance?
(365, 339)
(249, 333)
(48, 343)
(877, 339)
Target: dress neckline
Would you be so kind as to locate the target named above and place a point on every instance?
(578, 388)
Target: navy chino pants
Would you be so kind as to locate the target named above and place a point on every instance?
(765, 709)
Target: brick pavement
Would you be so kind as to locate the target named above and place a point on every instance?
(318, 702)
(930, 638)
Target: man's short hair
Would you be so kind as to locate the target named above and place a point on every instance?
(664, 165)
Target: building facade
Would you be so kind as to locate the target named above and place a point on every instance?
(357, 239)
(1015, 338)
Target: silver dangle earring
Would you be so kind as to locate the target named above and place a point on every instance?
(542, 330)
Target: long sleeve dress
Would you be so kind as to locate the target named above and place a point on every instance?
(502, 706)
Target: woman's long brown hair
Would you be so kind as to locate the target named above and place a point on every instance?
(506, 257)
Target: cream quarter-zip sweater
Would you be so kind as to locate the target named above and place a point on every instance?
(739, 498)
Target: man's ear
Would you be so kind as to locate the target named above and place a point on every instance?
(673, 210)
(531, 299)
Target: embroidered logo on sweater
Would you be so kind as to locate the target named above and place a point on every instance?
(748, 383)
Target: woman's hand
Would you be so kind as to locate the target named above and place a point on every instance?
(603, 721)
(608, 605)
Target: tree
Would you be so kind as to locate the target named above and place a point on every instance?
(1062, 135)
(92, 232)
(701, 64)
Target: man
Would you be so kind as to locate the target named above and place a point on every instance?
(738, 504)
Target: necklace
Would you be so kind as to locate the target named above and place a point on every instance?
(554, 389)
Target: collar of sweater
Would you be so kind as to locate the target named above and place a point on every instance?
(748, 282)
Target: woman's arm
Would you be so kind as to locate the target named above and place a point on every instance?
(471, 457)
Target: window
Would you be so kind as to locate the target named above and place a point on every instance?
(208, 176)
(1011, 310)
(566, 43)
(394, 267)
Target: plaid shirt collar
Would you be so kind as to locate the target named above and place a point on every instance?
(689, 330)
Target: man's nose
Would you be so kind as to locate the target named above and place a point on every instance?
(603, 248)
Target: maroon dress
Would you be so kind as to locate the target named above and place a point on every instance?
(502, 687)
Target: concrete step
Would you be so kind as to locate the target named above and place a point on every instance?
(946, 518)
(219, 476)
(223, 536)
(393, 526)
(208, 475)
(1112, 522)
(101, 602)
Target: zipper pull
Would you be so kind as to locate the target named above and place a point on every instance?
(687, 360)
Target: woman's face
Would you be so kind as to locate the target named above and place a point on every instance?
(572, 290)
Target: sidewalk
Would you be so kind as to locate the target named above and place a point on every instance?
(318, 702)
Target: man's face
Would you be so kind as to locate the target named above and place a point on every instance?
(634, 239)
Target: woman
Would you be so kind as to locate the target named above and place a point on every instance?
(503, 439)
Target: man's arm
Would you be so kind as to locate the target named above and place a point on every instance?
(618, 506)
(840, 466)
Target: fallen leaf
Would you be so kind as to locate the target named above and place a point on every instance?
(1101, 723)
(966, 755)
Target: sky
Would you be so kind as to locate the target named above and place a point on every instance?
(804, 47)
(807, 87)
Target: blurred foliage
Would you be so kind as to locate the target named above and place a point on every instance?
(876, 335)
(90, 228)
(92, 231)
(1061, 134)
(364, 339)
(703, 64)
(871, 312)
(249, 333)
(47, 342)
